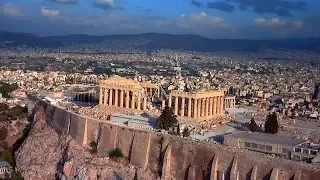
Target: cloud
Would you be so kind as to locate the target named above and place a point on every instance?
(297, 24)
(11, 10)
(49, 12)
(270, 22)
(106, 4)
(196, 3)
(198, 19)
(260, 20)
(279, 7)
(65, 1)
(220, 5)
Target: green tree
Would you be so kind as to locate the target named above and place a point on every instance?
(186, 132)
(167, 119)
(271, 124)
(178, 130)
(16, 175)
(6, 89)
(6, 155)
(253, 125)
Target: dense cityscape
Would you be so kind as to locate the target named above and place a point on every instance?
(193, 90)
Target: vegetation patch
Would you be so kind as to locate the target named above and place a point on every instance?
(115, 153)
(93, 147)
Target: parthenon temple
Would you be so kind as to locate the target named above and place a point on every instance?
(127, 93)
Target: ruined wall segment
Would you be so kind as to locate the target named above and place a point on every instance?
(61, 119)
(108, 138)
(177, 158)
(77, 126)
(139, 151)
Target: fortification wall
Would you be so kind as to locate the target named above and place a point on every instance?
(176, 158)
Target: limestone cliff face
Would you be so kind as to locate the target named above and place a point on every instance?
(47, 155)
(59, 153)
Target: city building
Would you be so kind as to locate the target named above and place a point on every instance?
(316, 94)
(305, 151)
(261, 142)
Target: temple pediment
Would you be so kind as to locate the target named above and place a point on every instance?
(118, 82)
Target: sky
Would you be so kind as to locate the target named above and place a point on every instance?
(232, 19)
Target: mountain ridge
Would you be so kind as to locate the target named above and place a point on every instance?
(163, 41)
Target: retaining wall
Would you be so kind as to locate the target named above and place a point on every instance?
(176, 158)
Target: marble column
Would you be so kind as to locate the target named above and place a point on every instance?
(195, 108)
(116, 99)
(127, 99)
(121, 98)
(105, 97)
(176, 105)
(100, 96)
(144, 103)
(170, 101)
(207, 107)
(189, 107)
(183, 101)
(132, 100)
(110, 97)
(139, 101)
(221, 108)
(215, 107)
(163, 105)
(203, 105)
(210, 106)
(199, 108)
(218, 105)
(159, 91)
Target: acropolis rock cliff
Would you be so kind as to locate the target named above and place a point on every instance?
(56, 147)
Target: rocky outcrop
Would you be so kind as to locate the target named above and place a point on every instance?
(47, 155)
(61, 154)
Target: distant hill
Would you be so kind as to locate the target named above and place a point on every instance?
(151, 41)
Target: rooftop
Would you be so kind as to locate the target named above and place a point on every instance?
(4, 164)
(309, 145)
(268, 138)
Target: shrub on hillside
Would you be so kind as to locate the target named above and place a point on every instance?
(3, 118)
(16, 175)
(6, 155)
(3, 106)
(3, 133)
(115, 153)
(93, 147)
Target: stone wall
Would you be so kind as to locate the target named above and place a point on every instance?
(176, 158)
